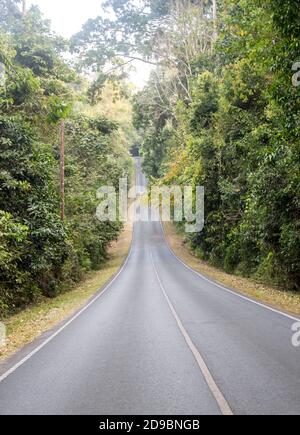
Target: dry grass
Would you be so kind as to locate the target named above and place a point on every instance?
(29, 324)
(286, 301)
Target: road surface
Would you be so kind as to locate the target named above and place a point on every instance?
(159, 340)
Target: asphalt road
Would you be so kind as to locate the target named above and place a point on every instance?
(160, 340)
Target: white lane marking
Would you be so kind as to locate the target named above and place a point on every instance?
(225, 288)
(216, 392)
(37, 349)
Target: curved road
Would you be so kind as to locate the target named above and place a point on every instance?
(160, 339)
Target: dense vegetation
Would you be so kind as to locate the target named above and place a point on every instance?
(219, 110)
(39, 254)
(234, 127)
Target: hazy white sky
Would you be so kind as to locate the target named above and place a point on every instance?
(67, 17)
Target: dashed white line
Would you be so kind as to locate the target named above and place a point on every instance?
(216, 392)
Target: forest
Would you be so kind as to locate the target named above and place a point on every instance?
(221, 110)
(41, 255)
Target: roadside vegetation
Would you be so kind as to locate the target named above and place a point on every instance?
(42, 256)
(221, 111)
(286, 300)
(27, 325)
(225, 115)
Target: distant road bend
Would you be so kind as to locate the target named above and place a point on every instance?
(160, 339)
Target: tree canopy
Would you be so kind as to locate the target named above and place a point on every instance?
(39, 254)
(219, 110)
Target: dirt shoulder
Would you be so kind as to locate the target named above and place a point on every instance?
(24, 327)
(280, 299)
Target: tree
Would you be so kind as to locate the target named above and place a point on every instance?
(233, 127)
(41, 256)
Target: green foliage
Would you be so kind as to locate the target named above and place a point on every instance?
(205, 102)
(28, 197)
(39, 254)
(238, 136)
(58, 109)
(13, 239)
(9, 14)
(90, 163)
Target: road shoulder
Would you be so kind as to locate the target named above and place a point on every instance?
(288, 302)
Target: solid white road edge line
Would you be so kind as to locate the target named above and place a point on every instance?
(225, 288)
(220, 399)
(37, 349)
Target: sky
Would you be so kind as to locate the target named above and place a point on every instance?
(67, 18)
